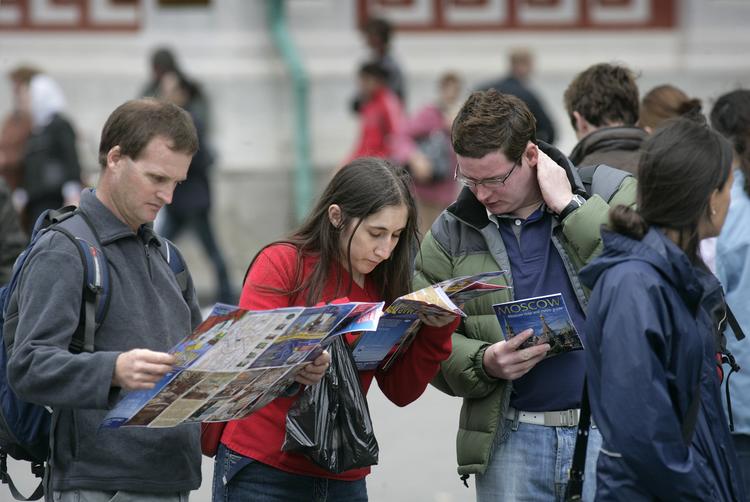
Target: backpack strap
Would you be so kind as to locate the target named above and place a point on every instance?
(96, 287)
(602, 180)
(14, 491)
(732, 320)
(176, 263)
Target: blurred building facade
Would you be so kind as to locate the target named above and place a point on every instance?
(98, 50)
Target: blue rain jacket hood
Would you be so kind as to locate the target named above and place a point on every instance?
(650, 347)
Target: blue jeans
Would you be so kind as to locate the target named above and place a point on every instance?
(530, 463)
(238, 479)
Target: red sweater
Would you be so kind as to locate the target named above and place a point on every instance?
(261, 435)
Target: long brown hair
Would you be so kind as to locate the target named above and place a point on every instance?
(680, 167)
(361, 188)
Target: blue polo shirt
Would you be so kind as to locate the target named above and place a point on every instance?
(537, 269)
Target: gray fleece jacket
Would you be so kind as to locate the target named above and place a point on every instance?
(146, 310)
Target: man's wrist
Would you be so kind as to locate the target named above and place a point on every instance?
(575, 202)
(481, 366)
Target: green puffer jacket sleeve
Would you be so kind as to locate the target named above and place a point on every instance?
(581, 228)
(462, 374)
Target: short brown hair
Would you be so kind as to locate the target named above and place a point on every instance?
(603, 94)
(449, 77)
(22, 74)
(491, 121)
(135, 123)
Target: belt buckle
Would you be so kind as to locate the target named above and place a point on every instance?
(565, 418)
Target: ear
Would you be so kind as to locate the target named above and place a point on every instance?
(114, 156)
(531, 154)
(583, 127)
(334, 215)
(713, 203)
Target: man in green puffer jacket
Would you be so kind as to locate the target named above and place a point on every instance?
(522, 210)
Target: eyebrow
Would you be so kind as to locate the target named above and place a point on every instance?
(374, 227)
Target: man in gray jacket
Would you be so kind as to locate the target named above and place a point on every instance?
(145, 150)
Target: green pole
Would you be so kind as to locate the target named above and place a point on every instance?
(282, 39)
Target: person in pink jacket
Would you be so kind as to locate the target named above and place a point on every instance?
(431, 158)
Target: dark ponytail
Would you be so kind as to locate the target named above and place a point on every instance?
(681, 165)
(627, 221)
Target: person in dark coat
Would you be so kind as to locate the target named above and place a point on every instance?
(517, 84)
(191, 202)
(163, 61)
(51, 171)
(650, 337)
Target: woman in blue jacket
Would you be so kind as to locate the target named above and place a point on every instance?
(650, 340)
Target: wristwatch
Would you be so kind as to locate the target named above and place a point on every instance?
(576, 202)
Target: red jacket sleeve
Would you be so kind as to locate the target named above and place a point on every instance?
(409, 376)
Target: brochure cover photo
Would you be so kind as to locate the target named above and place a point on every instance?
(547, 316)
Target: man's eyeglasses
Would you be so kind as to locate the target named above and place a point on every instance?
(489, 183)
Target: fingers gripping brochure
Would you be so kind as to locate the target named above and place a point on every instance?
(400, 322)
(238, 361)
(547, 316)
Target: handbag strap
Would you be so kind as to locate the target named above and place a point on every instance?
(574, 489)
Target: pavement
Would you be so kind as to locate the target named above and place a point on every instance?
(417, 454)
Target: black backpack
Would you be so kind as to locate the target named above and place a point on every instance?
(25, 427)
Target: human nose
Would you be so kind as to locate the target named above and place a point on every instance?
(165, 194)
(384, 248)
(482, 192)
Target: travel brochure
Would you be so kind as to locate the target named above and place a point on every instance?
(238, 361)
(547, 316)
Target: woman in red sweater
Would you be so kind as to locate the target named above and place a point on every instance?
(357, 243)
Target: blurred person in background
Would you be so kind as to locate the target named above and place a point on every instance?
(163, 61)
(516, 83)
(433, 160)
(16, 127)
(381, 116)
(51, 171)
(12, 238)
(650, 336)
(602, 103)
(665, 102)
(378, 33)
(190, 208)
(730, 116)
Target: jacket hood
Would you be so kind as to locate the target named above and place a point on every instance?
(606, 139)
(46, 98)
(470, 210)
(657, 250)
